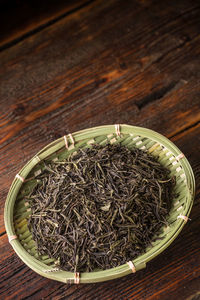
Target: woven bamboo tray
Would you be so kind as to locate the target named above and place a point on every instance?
(17, 210)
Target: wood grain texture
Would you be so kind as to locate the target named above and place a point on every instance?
(105, 63)
(20, 18)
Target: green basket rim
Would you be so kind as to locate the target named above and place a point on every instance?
(139, 262)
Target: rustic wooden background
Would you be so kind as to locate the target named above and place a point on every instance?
(69, 65)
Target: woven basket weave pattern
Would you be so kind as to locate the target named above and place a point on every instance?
(17, 209)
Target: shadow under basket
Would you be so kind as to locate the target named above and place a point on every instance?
(17, 210)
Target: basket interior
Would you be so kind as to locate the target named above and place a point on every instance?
(164, 155)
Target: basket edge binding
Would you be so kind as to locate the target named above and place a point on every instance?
(69, 277)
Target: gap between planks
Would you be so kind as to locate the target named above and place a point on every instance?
(43, 26)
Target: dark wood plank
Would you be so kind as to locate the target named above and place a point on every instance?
(106, 63)
(73, 67)
(19, 19)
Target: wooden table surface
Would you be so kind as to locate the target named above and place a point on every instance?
(71, 65)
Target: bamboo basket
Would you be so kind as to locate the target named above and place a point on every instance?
(17, 210)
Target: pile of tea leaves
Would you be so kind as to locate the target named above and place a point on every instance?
(100, 208)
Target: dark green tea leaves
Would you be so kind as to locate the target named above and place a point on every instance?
(101, 207)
